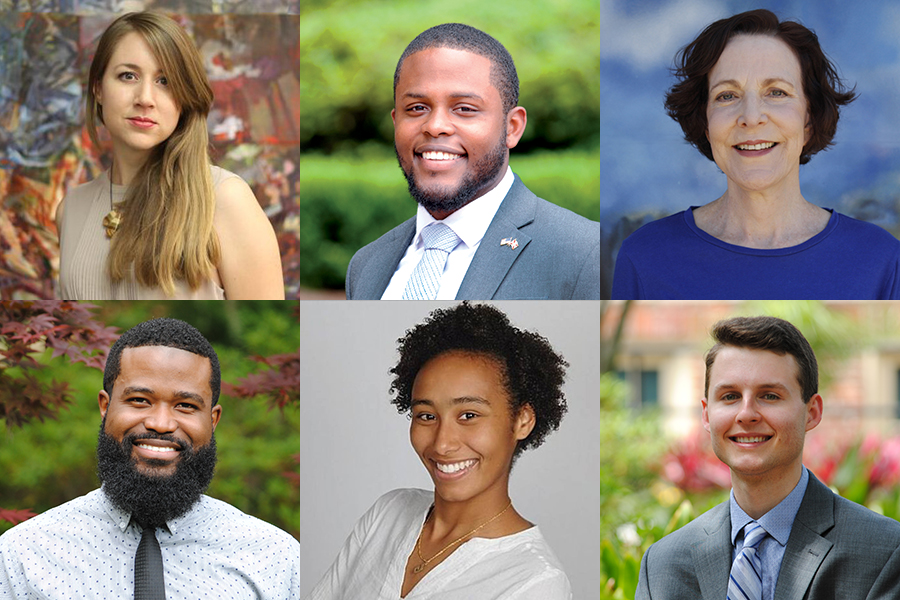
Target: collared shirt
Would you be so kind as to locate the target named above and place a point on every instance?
(469, 223)
(85, 549)
(778, 523)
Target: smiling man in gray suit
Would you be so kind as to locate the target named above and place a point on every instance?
(479, 233)
(783, 535)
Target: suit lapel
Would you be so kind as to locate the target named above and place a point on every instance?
(712, 556)
(382, 265)
(806, 548)
(501, 245)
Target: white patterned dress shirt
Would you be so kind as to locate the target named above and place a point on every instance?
(85, 549)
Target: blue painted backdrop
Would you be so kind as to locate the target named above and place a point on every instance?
(649, 171)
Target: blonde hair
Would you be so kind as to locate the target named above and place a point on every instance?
(167, 230)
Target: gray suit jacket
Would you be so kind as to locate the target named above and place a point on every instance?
(837, 550)
(557, 258)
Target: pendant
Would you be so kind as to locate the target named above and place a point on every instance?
(419, 568)
(111, 222)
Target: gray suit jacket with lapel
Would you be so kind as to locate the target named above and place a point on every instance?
(557, 258)
(837, 550)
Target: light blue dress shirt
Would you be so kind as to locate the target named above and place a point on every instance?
(778, 523)
(85, 549)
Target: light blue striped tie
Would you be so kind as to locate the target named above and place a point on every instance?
(425, 280)
(745, 582)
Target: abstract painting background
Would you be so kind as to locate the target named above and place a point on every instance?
(251, 51)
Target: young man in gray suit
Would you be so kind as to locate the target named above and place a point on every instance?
(783, 535)
(479, 233)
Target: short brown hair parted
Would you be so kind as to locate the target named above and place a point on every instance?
(772, 334)
(825, 93)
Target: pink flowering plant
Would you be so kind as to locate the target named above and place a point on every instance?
(865, 470)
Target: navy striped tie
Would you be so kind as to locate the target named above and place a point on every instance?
(745, 582)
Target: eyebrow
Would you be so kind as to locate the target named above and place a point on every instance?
(454, 401)
(452, 95)
(765, 386)
(133, 67)
(179, 395)
(735, 83)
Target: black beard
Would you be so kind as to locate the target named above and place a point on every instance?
(153, 500)
(446, 199)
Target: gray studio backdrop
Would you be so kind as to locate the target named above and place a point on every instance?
(354, 446)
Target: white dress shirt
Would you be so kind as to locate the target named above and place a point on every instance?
(372, 563)
(470, 223)
(85, 549)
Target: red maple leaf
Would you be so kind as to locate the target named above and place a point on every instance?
(15, 516)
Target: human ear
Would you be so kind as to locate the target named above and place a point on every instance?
(216, 415)
(814, 412)
(524, 422)
(103, 402)
(704, 414)
(516, 119)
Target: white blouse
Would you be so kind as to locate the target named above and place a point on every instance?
(372, 562)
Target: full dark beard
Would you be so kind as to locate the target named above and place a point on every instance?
(153, 500)
(473, 183)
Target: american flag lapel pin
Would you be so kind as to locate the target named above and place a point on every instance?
(511, 242)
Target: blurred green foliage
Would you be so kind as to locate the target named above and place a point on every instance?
(349, 50)
(348, 203)
(46, 464)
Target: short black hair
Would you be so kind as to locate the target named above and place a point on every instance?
(531, 371)
(171, 333)
(464, 37)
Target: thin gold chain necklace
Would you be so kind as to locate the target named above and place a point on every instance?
(425, 561)
(113, 218)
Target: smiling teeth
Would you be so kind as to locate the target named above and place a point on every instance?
(455, 467)
(156, 448)
(749, 440)
(763, 146)
(440, 156)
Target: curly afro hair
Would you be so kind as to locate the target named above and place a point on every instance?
(163, 332)
(532, 372)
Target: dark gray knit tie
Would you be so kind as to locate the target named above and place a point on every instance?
(149, 583)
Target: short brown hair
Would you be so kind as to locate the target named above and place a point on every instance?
(686, 101)
(772, 334)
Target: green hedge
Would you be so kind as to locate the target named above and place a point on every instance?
(349, 50)
(348, 201)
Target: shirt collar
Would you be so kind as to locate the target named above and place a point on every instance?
(779, 521)
(123, 519)
(472, 220)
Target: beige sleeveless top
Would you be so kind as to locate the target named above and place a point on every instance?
(83, 248)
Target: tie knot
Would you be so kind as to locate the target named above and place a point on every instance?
(753, 534)
(439, 236)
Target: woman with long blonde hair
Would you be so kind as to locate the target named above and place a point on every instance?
(163, 222)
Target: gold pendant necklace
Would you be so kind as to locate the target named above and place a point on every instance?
(418, 568)
(113, 218)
